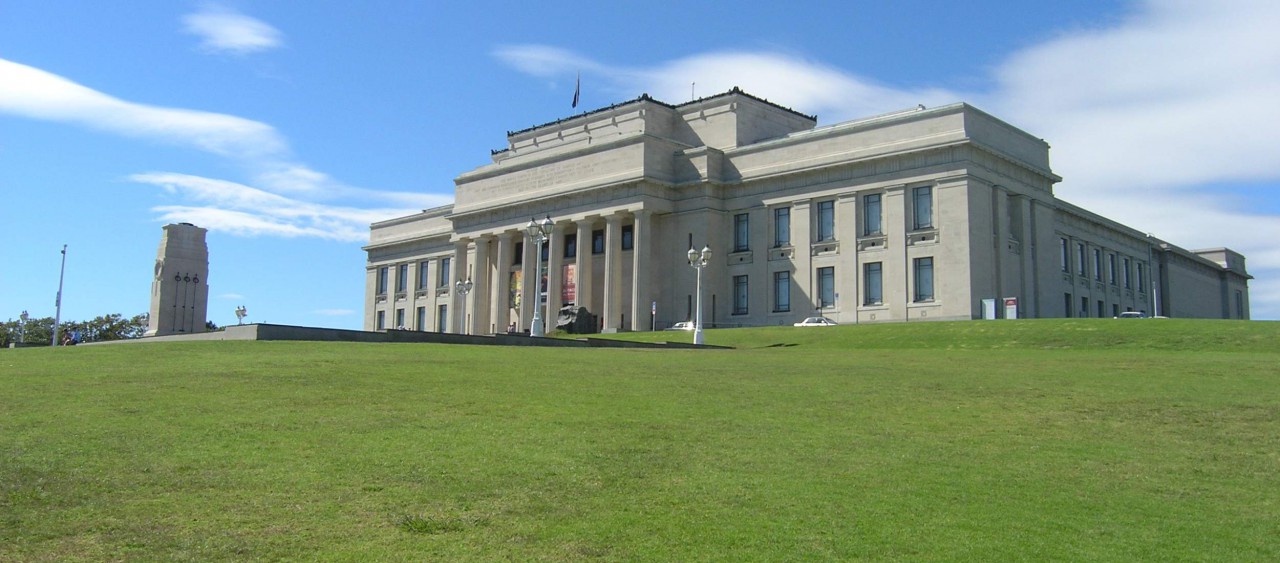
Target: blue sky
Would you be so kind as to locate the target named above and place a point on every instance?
(286, 127)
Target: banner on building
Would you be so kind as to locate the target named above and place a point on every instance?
(569, 284)
(514, 291)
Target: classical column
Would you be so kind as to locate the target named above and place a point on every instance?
(848, 270)
(479, 306)
(802, 241)
(459, 271)
(499, 298)
(612, 272)
(584, 267)
(529, 287)
(640, 252)
(555, 263)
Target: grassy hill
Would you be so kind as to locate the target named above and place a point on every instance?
(1062, 439)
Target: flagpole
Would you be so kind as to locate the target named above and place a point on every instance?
(57, 317)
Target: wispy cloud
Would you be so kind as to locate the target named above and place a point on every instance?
(1148, 117)
(247, 211)
(223, 30)
(231, 297)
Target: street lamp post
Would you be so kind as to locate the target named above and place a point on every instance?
(241, 313)
(699, 261)
(22, 326)
(57, 317)
(463, 289)
(538, 232)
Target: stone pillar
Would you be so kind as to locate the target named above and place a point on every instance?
(479, 291)
(802, 239)
(896, 272)
(180, 287)
(612, 313)
(847, 269)
(555, 273)
(641, 250)
(499, 298)
(584, 264)
(457, 322)
(528, 286)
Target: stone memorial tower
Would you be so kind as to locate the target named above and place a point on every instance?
(180, 290)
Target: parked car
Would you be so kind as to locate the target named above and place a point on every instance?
(1132, 315)
(683, 325)
(817, 321)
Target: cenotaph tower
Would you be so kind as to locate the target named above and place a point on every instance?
(180, 290)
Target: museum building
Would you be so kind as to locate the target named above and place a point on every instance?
(938, 213)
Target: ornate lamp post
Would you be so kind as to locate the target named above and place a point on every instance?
(241, 313)
(463, 289)
(699, 261)
(22, 326)
(538, 232)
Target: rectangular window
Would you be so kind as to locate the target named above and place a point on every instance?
(781, 292)
(382, 320)
(1080, 258)
(739, 295)
(1111, 268)
(826, 220)
(826, 287)
(571, 246)
(628, 237)
(442, 318)
(1115, 310)
(1102, 309)
(1125, 274)
(518, 258)
(924, 279)
(1065, 255)
(400, 319)
(1097, 265)
(1067, 302)
(782, 227)
(922, 205)
(873, 284)
(422, 319)
(871, 215)
(443, 279)
(544, 249)
(597, 242)
(402, 277)
(1142, 278)
(382, 280)
(741, 233)
(1084, 307)
(424, 281)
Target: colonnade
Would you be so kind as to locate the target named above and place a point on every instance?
(598, 281)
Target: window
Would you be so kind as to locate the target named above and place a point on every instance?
(782, 227)
(1111, 268)
(402, 277)
(443, 279)
(597, 242)
(544, 249)
(423, 280)
(1125, 274)
(1115, 310)
(382, 280)
(442, 318)
(571, 246)
(922, 205)
(382, 320)
(1080, 258)
(826, 287)
(873, 285)
(1097, 265)
(924, 279)
(1142, 278)
(871, 215)
(1067, 302)
(781, 292)
(1065, 256)
(739, 295)
(826, 220)
(1084, 307)
(422, 319)
(399, 318)
(1102, 309)
(741, 233)
(518, 259)
(628, 237)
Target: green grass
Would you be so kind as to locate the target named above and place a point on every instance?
(1025, 440)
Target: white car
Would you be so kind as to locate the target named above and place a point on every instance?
(1131, 315)
(682, 325)
(817, 321)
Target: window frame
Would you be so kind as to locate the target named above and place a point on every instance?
(923, 271)
(826, 278)
(782, 291)
(873, 293)
(741, 295)
(867, 207)
(781, 226)
(922, 199)
(741, 232)
(826, 215)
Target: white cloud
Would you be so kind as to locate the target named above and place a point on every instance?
(246, 211)
(222, 30)
(30, 92)
(1147, 118)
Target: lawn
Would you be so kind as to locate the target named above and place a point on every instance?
(1028, 440)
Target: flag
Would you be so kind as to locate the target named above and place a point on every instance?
(577, 87)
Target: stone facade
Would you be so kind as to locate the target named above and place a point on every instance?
(913, 215)
(180, 289)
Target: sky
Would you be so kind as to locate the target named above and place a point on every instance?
(286, 128)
